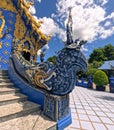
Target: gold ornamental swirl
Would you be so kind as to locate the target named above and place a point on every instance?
(38, 76)
(2, 24)
(41, 76)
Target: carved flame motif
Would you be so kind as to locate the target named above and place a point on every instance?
(2, 24)
(40, 77)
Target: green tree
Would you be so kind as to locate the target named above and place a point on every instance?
(102, 54)
(97, 55)
(52, 59)
(91, 71)
(109, 52)
(95, 64)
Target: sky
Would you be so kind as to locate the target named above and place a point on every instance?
(93, 20)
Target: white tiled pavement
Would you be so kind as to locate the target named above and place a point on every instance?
(91, 110)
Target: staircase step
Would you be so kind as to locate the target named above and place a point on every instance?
(33, 121)
(4, 77)
(4, 73)
(6, 90)
(18, 113)
(4, 80)
(3, 84)
(3, 70)
(15, 110)
(11, 98)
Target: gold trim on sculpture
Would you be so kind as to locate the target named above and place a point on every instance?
(40, 76)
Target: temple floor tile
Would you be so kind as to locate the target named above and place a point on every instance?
(91, 110)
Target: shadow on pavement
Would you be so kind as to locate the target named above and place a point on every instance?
(109, 98)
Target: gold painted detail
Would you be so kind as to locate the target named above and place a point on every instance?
(25, 45)
(24, 6)
(5, 61)
(7, 44)
(20, 28)
(0, 45)
(8, 5)
(21, 46)
(9, 29)
(2, 24)
(21, 34)
(40, 76)
(5, 52)
(10, 21)
(26, 50)
(8, 36)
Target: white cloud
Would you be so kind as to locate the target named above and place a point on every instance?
(108, 23)
(83, 48)
(87, 18)
(104, 2)
(32, 10)
(107, 33)
(39, 1)
(101, 2)
(46, 47)
(90, 20)
(62, 34)
(48, 27)
(111, 16)
(39, 52)
(35, 17)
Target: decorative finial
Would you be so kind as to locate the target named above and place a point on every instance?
(69, 34)
(69, 31)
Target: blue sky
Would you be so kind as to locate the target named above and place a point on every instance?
(101, 33)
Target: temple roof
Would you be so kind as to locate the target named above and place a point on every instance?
(30, 22)
(107, 65)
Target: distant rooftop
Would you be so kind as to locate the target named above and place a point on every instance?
(107, 65)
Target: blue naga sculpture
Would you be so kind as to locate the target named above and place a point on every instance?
(69, 61)
(59, 79)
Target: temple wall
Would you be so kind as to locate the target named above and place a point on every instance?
(7, 27)
(13, 28)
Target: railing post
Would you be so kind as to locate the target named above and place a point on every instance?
(90, 82)
(111, 84)
(82, 80)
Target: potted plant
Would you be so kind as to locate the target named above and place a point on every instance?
(100, 79)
